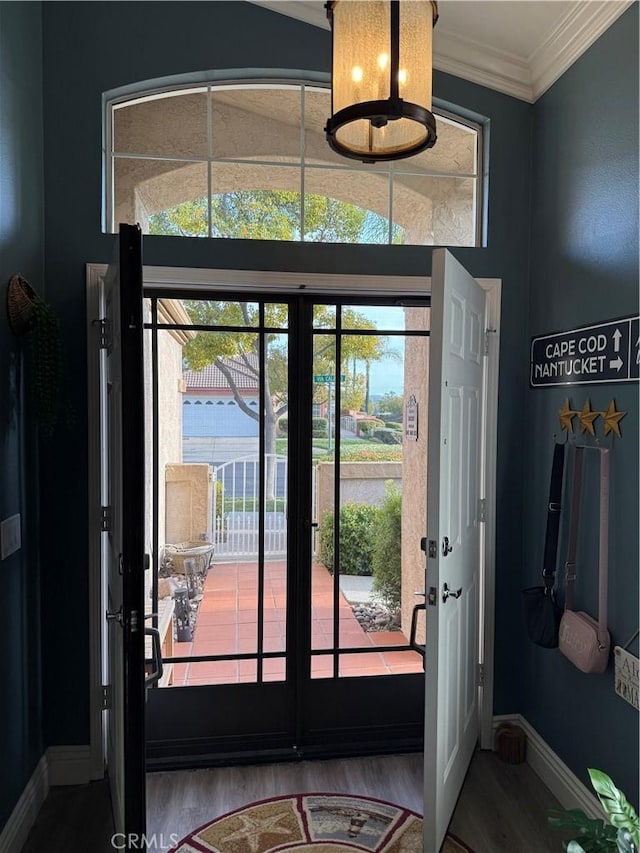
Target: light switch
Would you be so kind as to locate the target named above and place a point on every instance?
(10, 536)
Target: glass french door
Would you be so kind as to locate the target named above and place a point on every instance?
(287, 442)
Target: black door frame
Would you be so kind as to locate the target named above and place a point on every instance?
(283, 735)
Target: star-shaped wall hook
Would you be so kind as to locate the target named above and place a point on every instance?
(587, 417)
(612, 419)
(566, 415)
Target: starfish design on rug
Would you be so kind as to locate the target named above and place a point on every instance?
(587, 417)
(253, 828)
(612, 419)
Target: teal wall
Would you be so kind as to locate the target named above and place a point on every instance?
(21, 250)
(584, 269)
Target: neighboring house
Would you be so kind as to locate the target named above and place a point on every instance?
(209, 407)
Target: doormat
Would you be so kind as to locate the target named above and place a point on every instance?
(317, 823)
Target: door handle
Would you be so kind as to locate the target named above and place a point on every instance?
(156, 657)
(446, 548)
(446, 593)
(414, 627)
(114, 616)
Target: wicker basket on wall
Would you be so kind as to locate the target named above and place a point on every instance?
(21, 298)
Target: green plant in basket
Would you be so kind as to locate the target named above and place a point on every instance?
(46, 368)
(620, 835)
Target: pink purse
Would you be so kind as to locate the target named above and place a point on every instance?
(582, 640)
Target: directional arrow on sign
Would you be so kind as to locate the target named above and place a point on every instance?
(616, 340)
(616, 363)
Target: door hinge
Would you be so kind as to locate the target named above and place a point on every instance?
(105, 519)
(482, 509)
(104, 329)
(480, 675)
(107, 697)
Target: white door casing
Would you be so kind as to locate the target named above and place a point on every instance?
(455, 462)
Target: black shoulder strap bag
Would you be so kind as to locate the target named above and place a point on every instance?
(541, 613)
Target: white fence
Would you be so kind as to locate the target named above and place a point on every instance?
(236, 523)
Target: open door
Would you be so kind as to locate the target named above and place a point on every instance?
(455, 454)
(122, 424)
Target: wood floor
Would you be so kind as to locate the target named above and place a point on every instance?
(502, 807)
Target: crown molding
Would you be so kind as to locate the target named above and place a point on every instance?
(570, 38)
(482, 64)
(526, 78)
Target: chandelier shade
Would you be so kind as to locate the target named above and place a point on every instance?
(381, 78)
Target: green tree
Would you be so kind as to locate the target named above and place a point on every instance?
(391, 404)
(266, 215)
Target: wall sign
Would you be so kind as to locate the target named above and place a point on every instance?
(411, 419)
(605, 352)
(626, 674)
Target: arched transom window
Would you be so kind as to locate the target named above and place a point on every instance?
(250, 160)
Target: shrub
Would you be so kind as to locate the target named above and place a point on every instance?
(283, 426)
(387, 559)
(319, 427)
(357, 533)
(386, 435)
(393, 425)
(365, 427)
(367, 453)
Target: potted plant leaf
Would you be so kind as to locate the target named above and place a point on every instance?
(34, 320)
(620, 835)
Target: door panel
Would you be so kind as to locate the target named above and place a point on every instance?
(123, 481)
(456, 386)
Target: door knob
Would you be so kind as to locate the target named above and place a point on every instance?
(446, 592)
(446, 548)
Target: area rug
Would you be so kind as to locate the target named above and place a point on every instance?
(317, 823)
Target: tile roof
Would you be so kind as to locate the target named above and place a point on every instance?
(211, 378)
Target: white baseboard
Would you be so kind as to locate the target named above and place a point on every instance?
(555, 774)
(23, 816)
(69, 765)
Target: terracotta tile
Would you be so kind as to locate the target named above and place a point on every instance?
(247, 644)
(356, 661)
(388, 638)
(358, 673)
(403, 669)
(214, 633)
(214, 669)
(402, 658)
(227, 646)
(247, 630)
(217, 617)
(274, 644)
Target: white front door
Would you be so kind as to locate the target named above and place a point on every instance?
(456, 387)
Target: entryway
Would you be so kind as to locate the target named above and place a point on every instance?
(317, 714)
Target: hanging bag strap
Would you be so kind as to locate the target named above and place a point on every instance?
(603, 574)
(574, 524)
(553, 519)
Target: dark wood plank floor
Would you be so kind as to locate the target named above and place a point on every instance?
(502, 807)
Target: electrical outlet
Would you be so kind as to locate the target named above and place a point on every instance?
(10, 537)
